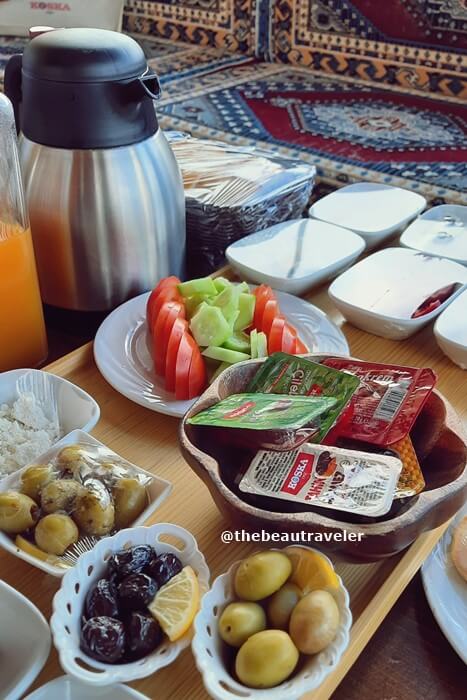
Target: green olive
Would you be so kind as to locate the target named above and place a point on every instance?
(60, 494)
(314, 622)
(55, 533)
(94, 511)
(18, 512)
(239, 621)
(34, 478)
(130, 499)
(260, 575)
(266, 659)
(281, 604)
(71, 454)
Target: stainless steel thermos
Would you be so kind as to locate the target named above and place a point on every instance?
(103, 188)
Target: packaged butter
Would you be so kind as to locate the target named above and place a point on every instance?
(388, 400)
(327, 477)
(271, 421)
(288, 374)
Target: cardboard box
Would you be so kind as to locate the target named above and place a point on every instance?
(17, 16)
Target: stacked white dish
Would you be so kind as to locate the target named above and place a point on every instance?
(296, 255)
(440, 231)
(68, 688)
(381, 293)
(451, 331)
(374, 211)
(24, 642)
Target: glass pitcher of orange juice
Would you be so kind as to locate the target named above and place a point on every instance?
(23, 341)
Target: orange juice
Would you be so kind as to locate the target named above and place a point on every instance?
(23, 341)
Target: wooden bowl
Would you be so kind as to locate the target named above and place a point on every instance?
(439, 441)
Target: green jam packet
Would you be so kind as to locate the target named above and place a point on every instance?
(295, 376)
(257, 411)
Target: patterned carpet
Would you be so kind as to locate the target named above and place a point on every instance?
(349, 129)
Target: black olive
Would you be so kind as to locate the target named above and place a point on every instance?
(104, 639)
(102, 600)
(164, 567)
(136, 591)
(129, 561)
(143, 635)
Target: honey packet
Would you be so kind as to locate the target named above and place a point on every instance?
(355, 482)
(296, 376)
(411, 480)
(271, 421)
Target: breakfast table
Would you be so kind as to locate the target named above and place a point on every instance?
(396, 649)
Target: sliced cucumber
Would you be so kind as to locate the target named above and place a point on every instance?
(224, 355)
(192, 303)
(209, 326)
(243, 287)
(228, 301)
(203, 285)
(221, 283)
(239, 342)
(254, 343)
(246, 307)
(219, 370)
(262, 345)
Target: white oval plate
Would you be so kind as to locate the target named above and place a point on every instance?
(446, 591)
(68, 688)
(122, 354)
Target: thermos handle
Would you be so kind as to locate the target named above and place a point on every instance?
(150, 84)
(12, 84)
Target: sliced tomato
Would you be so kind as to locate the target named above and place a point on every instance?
(182, 366)
(263, 293)
(275, 334)
(162, 328)
(179, 327)
(181, 313)
(198, 377)
(169, 293)
(163, 283)
(271, 310)
(301, 347)
(289, 339)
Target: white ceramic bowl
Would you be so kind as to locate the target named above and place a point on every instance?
(158, 490)
(440, 231)
(451, 331)
(69, 601)
(62, 401)
(374, 211)
(294, 256)
(67, 688)
(381, 292)
(208, 648)
(24, 642)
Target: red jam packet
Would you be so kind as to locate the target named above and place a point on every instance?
(388, 401)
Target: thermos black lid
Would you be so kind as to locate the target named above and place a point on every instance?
(83, 56)
(82, 89)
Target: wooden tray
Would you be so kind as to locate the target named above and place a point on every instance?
(150, 440)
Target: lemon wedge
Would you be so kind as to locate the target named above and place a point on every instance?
(176, 603)
(30, 548)
(311, 571)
